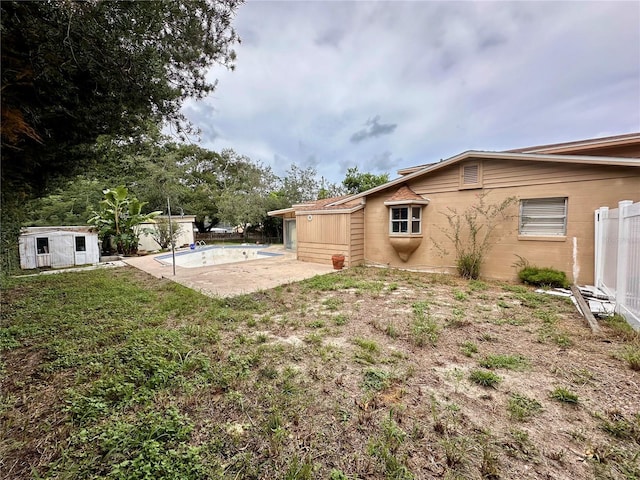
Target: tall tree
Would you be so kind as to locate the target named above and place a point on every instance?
(74, 70)
(356, 181)
(246, 186)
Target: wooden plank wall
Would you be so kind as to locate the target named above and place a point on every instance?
(322, 236)
(356, 256)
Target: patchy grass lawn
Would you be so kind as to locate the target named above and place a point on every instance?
(364, 373)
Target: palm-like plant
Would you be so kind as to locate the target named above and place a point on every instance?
(117, 218)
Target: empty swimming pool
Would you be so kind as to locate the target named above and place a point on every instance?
(217, 255)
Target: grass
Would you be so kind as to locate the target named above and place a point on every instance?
(114, 374)
(521, 407)
(469, 348)
(484, 378)
(508, 362)
(564, 395)
(631, 355)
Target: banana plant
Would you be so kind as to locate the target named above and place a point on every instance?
(117, 218)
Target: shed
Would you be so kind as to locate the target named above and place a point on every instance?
(58, 247)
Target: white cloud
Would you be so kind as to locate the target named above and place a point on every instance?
(441, 78)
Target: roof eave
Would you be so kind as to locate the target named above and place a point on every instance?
(584, 159)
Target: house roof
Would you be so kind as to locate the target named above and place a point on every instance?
(571, 147)
(474, 154)
(602, 142)
(340, 204)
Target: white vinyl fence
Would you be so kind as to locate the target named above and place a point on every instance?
(617, 257)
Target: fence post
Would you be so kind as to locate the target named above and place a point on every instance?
(600, 215)
(623, 248)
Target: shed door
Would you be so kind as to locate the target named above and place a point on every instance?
(290, 238)
(43, 257)
(81, 250)
(62, 251)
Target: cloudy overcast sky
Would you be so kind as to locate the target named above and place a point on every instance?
(387, 85)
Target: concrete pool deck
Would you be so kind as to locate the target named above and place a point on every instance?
(232, 279)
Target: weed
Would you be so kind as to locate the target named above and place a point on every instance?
(333, 303)
(340, 319)
(368, 345)
(521, 407)
(469, 348)
(508, 362)
(477, 285)
(376, 380)
(299, 469)
(456, 450)
(490, 464)
(484, 378)
(391, 331)
(617, 425)
(316, 324)
(152, 445)
(315, 338)
(385, 448)
(621, 327)
(424, 329)
(561, 394)
(520, 445)
(460, 295)
(487, 337)
(631, 355)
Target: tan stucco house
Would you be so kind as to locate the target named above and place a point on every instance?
(556, 189)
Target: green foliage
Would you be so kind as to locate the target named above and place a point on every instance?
(385, 448)
(376, 380)
(631, 355)
(521, 407)
(545, 277)
(357, 182)
(164, 234)
(471, 233)
(424, 329)
(117, 219)
(469, 348)
(484, 378)
(76, 70)
(509, 362)
(153, 445)
(561, 394)
(244, 194)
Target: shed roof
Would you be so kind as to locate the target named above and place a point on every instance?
(56, 229)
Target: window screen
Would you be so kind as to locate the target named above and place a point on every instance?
(543, 216)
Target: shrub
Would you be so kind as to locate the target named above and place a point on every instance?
(547, 277)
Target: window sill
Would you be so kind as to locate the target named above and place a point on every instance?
(540, 238)
(473, 186)
(405, 235)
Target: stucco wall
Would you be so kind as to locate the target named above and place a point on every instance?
(184, 237)
(587, 188)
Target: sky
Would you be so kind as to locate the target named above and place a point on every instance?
(387, 85)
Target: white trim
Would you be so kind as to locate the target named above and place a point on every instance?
(393, 203)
